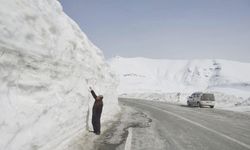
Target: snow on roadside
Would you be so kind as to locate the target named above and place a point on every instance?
(223, 101)
(133, 127)
(46, 66)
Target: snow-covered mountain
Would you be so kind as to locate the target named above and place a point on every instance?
(142, 75)
(46, 66)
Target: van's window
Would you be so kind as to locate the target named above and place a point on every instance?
(207, 97)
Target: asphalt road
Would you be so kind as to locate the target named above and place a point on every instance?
(186, 128)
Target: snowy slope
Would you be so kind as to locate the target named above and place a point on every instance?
(142, 76)
(46, 66)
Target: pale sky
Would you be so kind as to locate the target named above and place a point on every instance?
(168, 29)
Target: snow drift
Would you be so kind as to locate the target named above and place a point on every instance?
(46, 66)
(174, 80)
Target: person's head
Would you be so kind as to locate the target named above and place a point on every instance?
(99, 97)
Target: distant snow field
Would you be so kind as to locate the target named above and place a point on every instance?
(174, 80)
(46, 66)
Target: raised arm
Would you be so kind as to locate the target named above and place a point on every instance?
(93, 93)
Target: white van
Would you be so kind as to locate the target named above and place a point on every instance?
(201, 99)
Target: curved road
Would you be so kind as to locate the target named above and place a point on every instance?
(185, 128)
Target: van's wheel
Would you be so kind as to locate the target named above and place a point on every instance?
(188, 103)
(199, 104)
(211, 106)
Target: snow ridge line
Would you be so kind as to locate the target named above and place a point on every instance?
(129, 140)
(201, 126)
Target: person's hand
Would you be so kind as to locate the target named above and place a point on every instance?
(90, 88)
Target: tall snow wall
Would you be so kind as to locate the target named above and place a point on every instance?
(46, 66)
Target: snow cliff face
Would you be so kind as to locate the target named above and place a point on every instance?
(142, 75)
(46, 66)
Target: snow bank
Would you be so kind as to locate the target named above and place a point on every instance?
(174, 80)
(46, 66)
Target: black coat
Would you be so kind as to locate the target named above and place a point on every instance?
(96, 113)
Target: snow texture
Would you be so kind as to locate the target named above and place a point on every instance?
(174, 80)
(46, 66)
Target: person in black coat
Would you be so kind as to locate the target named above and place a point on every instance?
(96, 112)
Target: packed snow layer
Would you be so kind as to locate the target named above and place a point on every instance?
(46, 66)
(164, 79)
